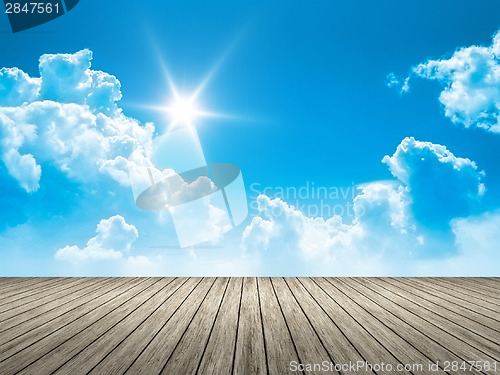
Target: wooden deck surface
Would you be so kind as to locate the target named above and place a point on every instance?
(249, 326)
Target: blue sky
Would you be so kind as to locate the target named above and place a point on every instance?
(305, 90)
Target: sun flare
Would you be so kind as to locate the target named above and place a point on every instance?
(183, 112)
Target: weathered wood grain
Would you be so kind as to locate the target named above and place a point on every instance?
(310, 348)
(408, 331)
(126, 352)
(443, 332)
(474, 304)
(155, 356)
(187, 355)
(226, 326)
(279, 345)
(457, 285)
(38, 287)
(399, 348)
(466, 308)
(34, 353)
(250, 355)
(219, 352)
(340, 349)
(489, 329)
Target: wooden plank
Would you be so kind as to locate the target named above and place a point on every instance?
(52, 361)
(479, 305)
(492, 279)
(489, 281)
(309, 347)
(455, 285)
(23, 312)
(23, 284)
(403, 352)
(485, 327)
(432, 350)
(35, 297)
(26, 334)
(14, 283)
(490, 289)
(188, 353)
(465, 345)
(125, 353)
(219, 352)
(25, 318)
(30, 287)
(38, 288)
(244, 325)
(279, 345)
(340, 349)
(369, 348)
(250, 355)
(92, 353)
(24, 358)
(437, 307)
(475, 312)
(153, 358)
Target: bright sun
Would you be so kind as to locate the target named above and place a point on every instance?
(183, 112)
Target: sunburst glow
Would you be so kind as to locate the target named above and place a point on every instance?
(184, 108)
(183, 111)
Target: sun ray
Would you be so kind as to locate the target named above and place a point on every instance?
(184, 108)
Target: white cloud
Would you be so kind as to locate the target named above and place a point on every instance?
(393, 81)
(113, 238)
(67, 78)
(384, 205)
(68, 117)
(67, 122)
(395, 223)
(442, 186)
(23, 168)
(380, 211)
(16, 87)
(180, 191)
(476, 240)
(478, 234)
(471, 80)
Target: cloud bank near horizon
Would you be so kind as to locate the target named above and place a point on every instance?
(422, 217)
(114, 238)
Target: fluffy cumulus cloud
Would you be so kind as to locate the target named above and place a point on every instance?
(393, 220)
(442, 186)
(66, 125)
(381, 222)
(471, 80)
(114, 237)
(282, 228)
(68, 118)
(16, 87)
